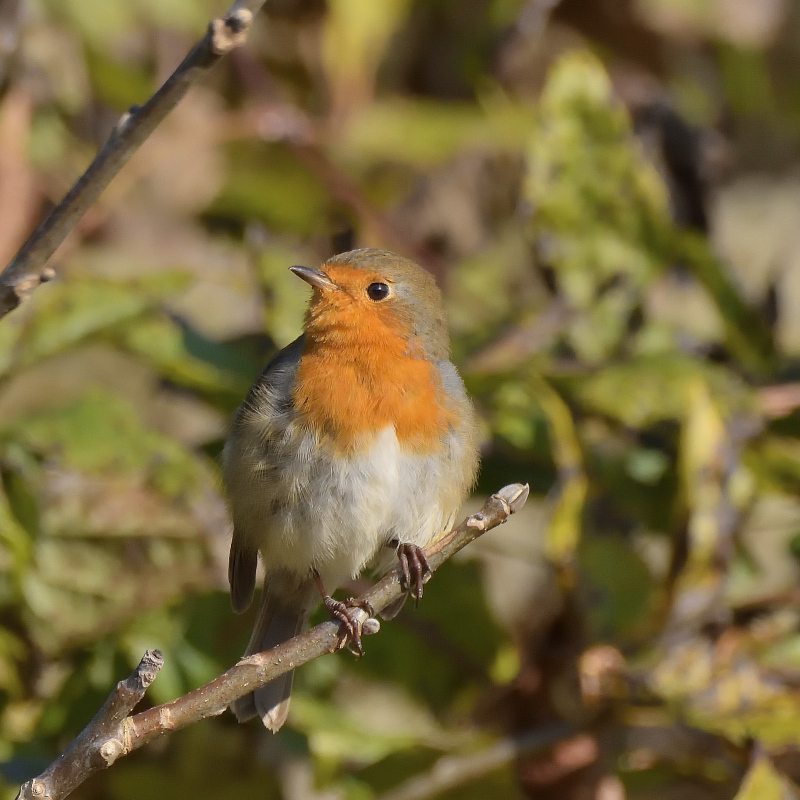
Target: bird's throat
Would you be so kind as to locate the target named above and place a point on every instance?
(351, 386)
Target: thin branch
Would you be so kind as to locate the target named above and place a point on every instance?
(98, 745)
(28, 270)
(113, 733)
(450, 772)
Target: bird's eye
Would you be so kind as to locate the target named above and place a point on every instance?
(378, 291)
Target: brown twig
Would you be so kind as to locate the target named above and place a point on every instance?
(28, 269)
(101, 742)
(114, 733)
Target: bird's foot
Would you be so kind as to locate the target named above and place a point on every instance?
(414, 569)
(351, 622)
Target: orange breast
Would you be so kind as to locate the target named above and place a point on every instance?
(355, 380)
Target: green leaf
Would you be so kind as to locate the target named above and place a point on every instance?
(748, 336)
(167, 346)
(566, 521)
(429, 651)
(649, 389)
(181, 15)
(70, 312)
(12, 654)
(10, 333)
(762, 782)
(337, 736)
(775, 461)
(285, 297)
(98, 24)
(270, 184)
(355, 36)
(64, 313)
(96, 434)
(15, 551)
(620, 585)
(600, 211)
(423, 133)
(119, 85)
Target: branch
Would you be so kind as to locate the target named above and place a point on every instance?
(98, 745)
(114, 733)
(28, 270)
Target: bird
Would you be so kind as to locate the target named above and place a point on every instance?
(356, 444)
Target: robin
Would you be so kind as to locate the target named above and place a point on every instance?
(358, 439)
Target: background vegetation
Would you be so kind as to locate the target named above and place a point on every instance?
(608, 194)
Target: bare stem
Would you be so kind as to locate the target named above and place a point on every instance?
(99, 744)
(28, 269)
(114, 733)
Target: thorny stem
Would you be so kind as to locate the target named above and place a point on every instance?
(113, 733)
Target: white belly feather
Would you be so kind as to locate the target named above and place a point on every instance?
(335, 513)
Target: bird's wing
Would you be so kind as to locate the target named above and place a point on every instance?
(265, 413)
(461, 460)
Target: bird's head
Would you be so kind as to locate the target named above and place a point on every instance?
(366, 295)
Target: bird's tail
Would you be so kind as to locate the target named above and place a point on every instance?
(282, 614)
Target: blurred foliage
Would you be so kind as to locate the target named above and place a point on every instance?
(609, 201)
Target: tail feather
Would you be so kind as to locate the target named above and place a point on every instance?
(242, 565)
(281, 615)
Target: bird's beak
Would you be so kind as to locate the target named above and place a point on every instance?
(315, 277)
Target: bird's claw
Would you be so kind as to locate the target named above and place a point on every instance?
(414, 569)
(352, 624)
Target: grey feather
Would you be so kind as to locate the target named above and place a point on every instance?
(242, 575)
(282, 614)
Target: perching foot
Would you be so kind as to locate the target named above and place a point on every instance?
(343, 611)
(414, 569)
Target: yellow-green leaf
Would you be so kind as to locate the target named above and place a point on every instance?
(762, 782)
